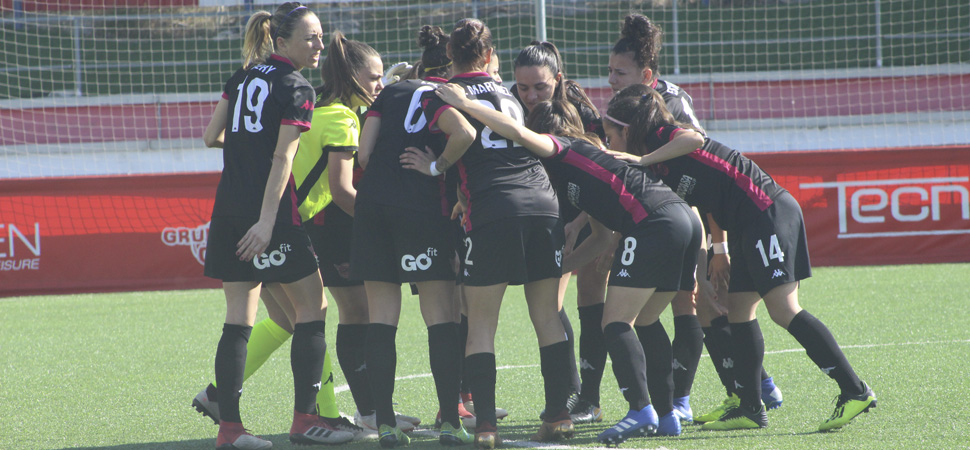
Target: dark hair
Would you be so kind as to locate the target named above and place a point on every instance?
(470, 42)
(643, 110)
(643, 38)
(435, 58)
(263, 28)
(545, 54)
(345, 58)
(560, 118)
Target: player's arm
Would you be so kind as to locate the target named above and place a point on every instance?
(719, 269)
(684, 142)
(215, 131)
(368, 139)
(461, 135)
(258, 236)
(597, 242)
(502, 124)
(341, 178)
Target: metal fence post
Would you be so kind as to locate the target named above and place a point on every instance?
(78, 72)
(676, 39)
(541, 20)
(878, 7)
(18, 14)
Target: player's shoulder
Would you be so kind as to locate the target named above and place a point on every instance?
(667, 88)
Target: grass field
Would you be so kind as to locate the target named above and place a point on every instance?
(119, 370)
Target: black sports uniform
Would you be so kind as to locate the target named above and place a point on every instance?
(260, 100)
(660, 233)
(766, 231)
(679, 102)
(402, 228)
(512, 220)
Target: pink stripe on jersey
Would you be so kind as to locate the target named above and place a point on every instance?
(372, 113)
(434, 119)
(282, 58)
(629, 202)
(471, 75)
(225, 96)
(304, 126)
(759, 197)
(295, 207)
(463, 185)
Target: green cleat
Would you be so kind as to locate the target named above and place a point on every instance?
(390, 437)
(847, 407)
(731, 402)
(738, 418)
(452, 437)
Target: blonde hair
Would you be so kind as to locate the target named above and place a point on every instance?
(263, 28)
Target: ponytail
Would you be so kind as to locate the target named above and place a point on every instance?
(257, 44)
(643, 38)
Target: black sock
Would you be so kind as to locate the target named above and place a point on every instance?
(764, 373)
(821, 347)
(687, 347)
(306, 361)
(554, 365)
(230, 364)
(592, 351)
(351, 354)
(628, 363)
(717, 338)
(444, 353)
(660, 374)
(463, 340)
(574, 383)
(381, 358)
(749, 353)
(480, 370)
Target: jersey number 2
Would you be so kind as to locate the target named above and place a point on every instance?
(509, 108)
(253, 94)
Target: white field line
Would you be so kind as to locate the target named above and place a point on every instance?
(530, 444)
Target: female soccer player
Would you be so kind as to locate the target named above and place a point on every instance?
(514, 236)
(634, 59)
(539, 77)
(403, 234)
(324, 174)
(659, 235)
(767, 243)
(254, 236)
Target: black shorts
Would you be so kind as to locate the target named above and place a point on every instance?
(397, 245)
(661, 252)
(288, 258)
(770, 250)
(331, 240)
(515, 250)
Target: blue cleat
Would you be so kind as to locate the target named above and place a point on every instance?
(682, 409)
(669, 425)
(636, 423)
(770, 394)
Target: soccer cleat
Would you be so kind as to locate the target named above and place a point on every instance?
(669, 425)
(451, 436)
(554, 431)
(500, 413)
(571, 403)
(311, 429)
(731, 402)
(390, 437)
(739, 418)
(405, 418)
(369, 421)
(206, 403)
(770, 394)
(486, 436)
(847, 407)
(232, 436)
(636, 423)
(682, 409)
(344, 424)
(467, 418)
(585, 412)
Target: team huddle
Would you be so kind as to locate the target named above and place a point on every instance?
(436, 175)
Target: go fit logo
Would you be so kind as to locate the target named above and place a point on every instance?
(913, 205)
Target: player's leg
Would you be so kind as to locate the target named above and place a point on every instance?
(590, 295)
(687, 346)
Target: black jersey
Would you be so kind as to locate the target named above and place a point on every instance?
(260, 100)
(499, 177)
(717, 179)
(403, 124)
(617, 194)
(679, 103)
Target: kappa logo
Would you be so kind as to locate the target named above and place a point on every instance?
(585, 365)
(826, 370)
(307, 105)
(275, 258)
(677, 365)
(466, 272)
(194, 238)
(559, 258)
(778, 274)
(623, 274)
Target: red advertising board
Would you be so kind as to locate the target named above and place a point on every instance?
(97, 234)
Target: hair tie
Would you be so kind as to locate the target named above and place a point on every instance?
(283, 22)
(622, 124)
(429, 69)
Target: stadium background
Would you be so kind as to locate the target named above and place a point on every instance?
(860, 108)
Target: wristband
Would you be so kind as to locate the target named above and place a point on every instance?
(720, 248)
(434, 170)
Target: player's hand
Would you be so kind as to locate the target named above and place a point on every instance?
(451, 93)
(719, 271)
(255, 241)
(395, 72)
(572, 230)
(604, 262)
(457, 211)
(624, 156)
(416, 159)
(706, 297)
